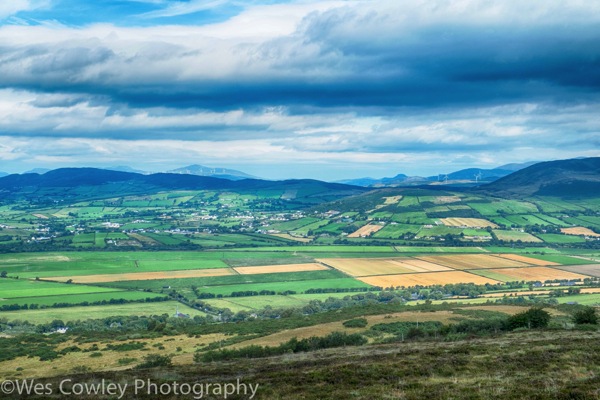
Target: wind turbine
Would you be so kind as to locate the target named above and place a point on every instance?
(446, 178)
(477, 177)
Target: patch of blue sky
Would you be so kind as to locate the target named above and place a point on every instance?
(140, 13)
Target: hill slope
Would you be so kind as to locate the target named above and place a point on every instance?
(576, 177)
(90, 183)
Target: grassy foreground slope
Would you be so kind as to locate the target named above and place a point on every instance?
(522, 365)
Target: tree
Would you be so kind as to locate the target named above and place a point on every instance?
(3, 274)
(586, 315)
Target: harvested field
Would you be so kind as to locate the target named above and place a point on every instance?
(580, 231)
(368, 266)
(530, 274)
(527, 260)
(365, 231)
(426, 279)
(516, 235)
(468, 222)
(472, 261)
(271, 269)
(144, 276)
(591, 269)
(421, 266)
(291, 237)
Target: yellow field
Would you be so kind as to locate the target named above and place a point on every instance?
(392, 200)
(472, 261)
(422, 266)
(142, 276)
(272, 269)
(468, 222)
(527, 260)
(365, 231)
(426, 279)
(368, 266)
(446, 199)
(537, 274)
(579, 231)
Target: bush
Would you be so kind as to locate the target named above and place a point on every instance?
(356, 323)
(156, 360)
(531, 319)
(586, 315)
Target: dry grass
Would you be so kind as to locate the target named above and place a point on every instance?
(472, 261)
(580, 231)
(325, 329)
(536, 274)
(33, 368)
(527, 260)
(271, 269)
(468, 222)
(365, 231)
(426, 279)
(512, 310)
(143, 276)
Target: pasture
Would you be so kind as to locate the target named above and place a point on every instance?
(580, 231)
(44, 316)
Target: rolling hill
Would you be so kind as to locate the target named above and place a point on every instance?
(223, 173)
(563, 178)
(90, 183)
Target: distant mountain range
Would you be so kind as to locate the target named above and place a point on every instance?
(223, 173)
(476, 175)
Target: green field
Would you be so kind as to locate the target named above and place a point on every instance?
(558, 238)
(80, 298)
(14, 288)
(296, 286)
(47, 315)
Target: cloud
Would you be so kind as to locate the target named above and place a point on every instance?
(315, 81)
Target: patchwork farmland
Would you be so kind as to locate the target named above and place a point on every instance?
(240, 279)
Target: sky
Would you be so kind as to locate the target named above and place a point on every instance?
(298, 89)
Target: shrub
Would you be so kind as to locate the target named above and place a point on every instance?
(531, 319)
(356, 323)
(156, 360)
(586, 315)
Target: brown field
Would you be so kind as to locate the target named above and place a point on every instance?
(472, 261)
(368, 266)
(144, 276)
(271, 269)
(527, 260)
(580, 231)
(468, 222)
(513, 309)
(537, 274)
(365, 231)
(589, 269)
(426, 279)
(421, 266)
